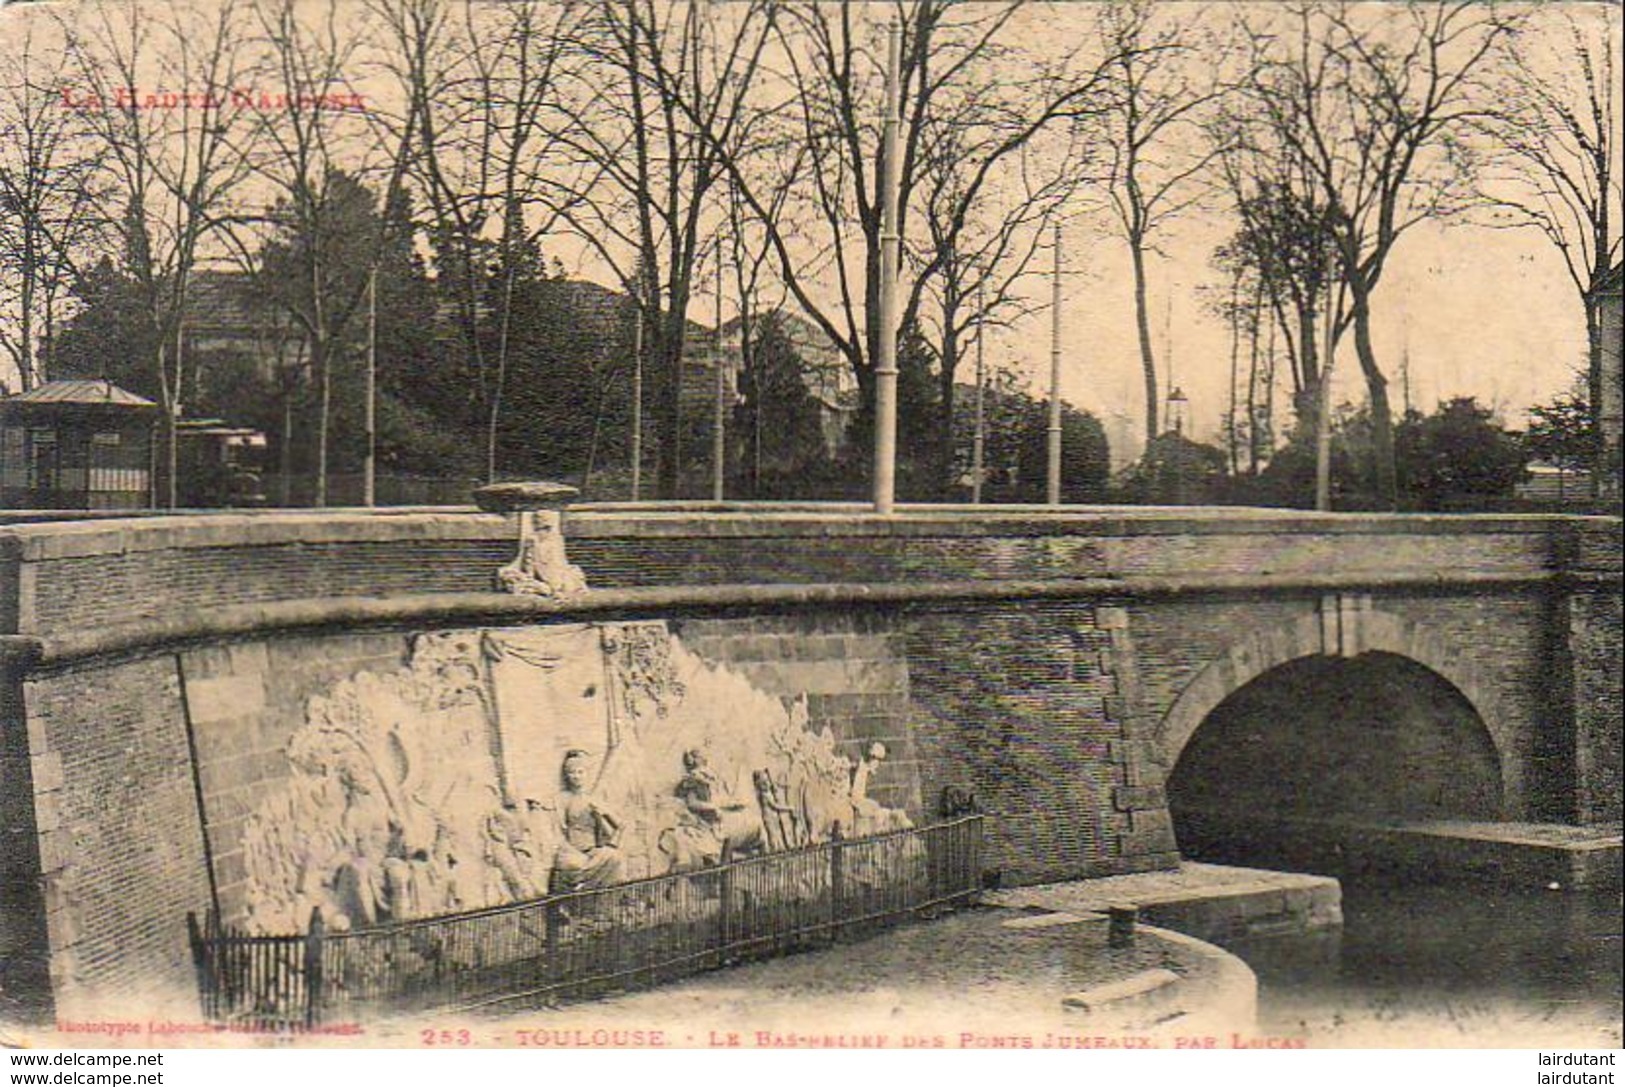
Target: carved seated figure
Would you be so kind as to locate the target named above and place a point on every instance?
(868, 816)
(540, 568)
(588, 854)
(709, 824)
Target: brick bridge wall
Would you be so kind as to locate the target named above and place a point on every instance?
(1056, 664)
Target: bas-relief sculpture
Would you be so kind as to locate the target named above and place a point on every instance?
(497, 766)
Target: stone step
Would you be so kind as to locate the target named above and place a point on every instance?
(1550, 855)
(1555, 856)
(1208, 901)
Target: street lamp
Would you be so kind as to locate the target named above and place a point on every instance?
(1176, 410)
(1176, 448)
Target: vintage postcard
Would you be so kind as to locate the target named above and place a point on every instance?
(662, 524)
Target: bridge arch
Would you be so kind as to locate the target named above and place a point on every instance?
(1351, 629)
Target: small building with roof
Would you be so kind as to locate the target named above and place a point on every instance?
(76, 444)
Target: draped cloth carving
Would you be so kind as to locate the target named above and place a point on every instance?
(442, 786)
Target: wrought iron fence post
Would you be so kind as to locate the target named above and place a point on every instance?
(973, 873)
(200, 958)
(552, 923)
(313, 968)
(837, 878)
(725, 918)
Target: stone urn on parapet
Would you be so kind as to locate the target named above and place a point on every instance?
(540, 568)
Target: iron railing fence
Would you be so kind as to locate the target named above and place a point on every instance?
(587, 943)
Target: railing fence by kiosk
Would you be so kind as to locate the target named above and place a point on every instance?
(587, 943)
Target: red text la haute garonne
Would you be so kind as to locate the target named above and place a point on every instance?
(242, 98)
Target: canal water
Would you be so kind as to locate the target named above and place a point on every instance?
(1449, 966)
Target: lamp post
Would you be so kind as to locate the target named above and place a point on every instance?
(1177, 403)
(885, 464)
(719, 421)
(635, 444)
(979, 434)
(1052, 487)
(1176, 410)
(369, 463)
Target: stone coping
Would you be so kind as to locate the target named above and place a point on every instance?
(182, 625)
(45, 540)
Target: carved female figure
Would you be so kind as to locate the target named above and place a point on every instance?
(589, 854)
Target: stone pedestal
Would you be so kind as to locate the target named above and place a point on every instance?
(540, 568)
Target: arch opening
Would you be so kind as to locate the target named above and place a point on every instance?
(1320, 744)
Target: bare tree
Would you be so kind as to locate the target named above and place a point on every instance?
(154, 85)
(48, 214)
(984, 230)
(965, 120)
(482, 86)
(749, 251)
(1284, 247)
(1154, 130)
(307, 143)
(1556, 168)
(1372, 106)
(659, 107)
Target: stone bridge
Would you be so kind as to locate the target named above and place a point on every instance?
(1091, 675)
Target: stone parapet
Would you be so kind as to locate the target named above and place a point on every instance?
(66, 576)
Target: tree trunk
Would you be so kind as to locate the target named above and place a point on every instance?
(601, 394)
(169, 400)
(1231, 430)
(1269, 391)
(171, 455)
(499, 379)
(1382, 421)
(943, 443)
(1253, 329)
(25, 357)
(669, 465)
(1307, 402)
(319, 359)
(1148, 360)
(1599, 459)
(285, 455)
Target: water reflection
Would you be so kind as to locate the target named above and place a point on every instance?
(1449, 966)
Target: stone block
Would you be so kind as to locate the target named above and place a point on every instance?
(56, 849)
(225, 698)
(1151, 821)
(1132, 797)
(48, 811)
(1133, 842)
(1135, 987)
(1111, 618)
(37, 726)
(46, 769)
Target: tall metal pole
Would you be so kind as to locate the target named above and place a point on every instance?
(1053, 491)
(1323, 412)
(719, 434)
(369, 462)
(885, 468)
(1168, 353)
(636, 444)
(978, 447)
